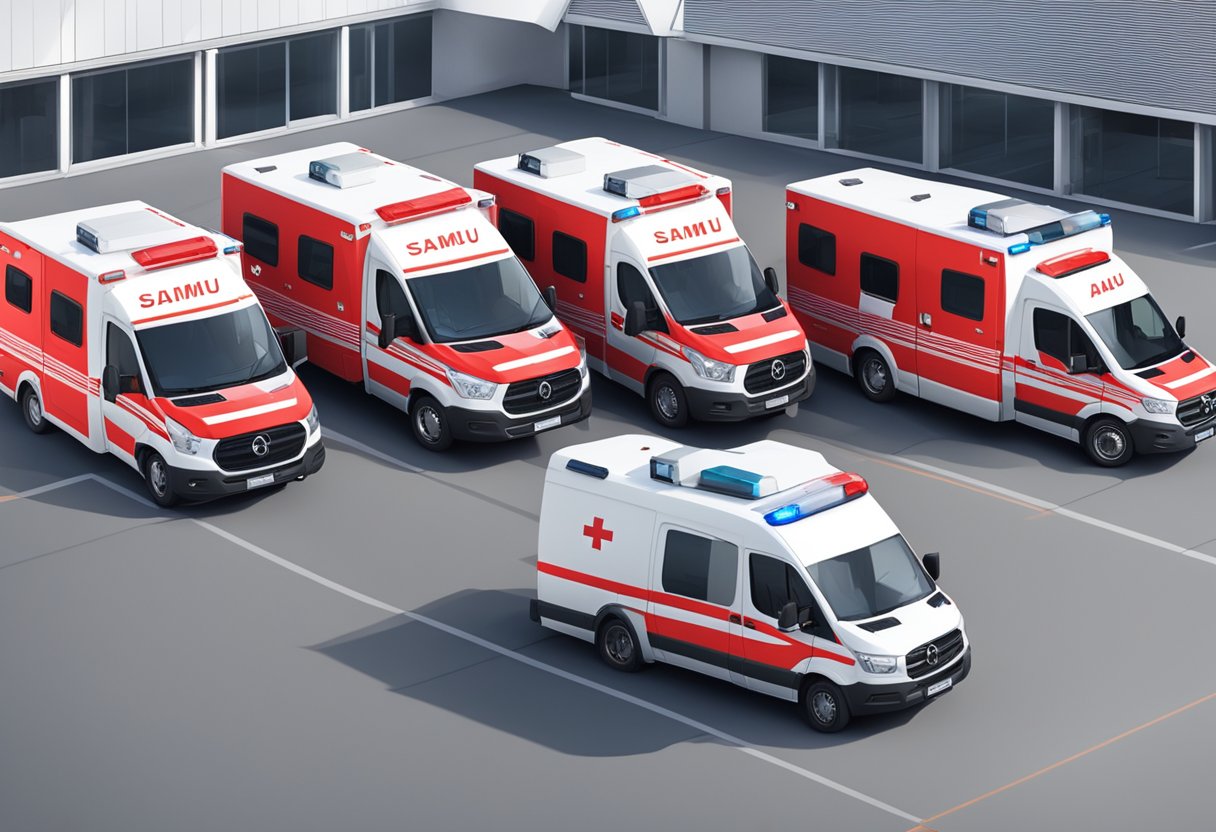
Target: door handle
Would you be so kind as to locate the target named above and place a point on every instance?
(734, 619)
(749, 624)
(926, 320)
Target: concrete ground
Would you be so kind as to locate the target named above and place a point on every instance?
(354, 651)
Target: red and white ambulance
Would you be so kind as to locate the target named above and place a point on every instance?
(402, 283)
(134, 332)
(995, 306)
(649, 268)
(762, 565)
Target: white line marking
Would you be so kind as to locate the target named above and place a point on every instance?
(539, 358)
(1201, 245)
(260, 410)
(1183, 382)
(50, 486)
(342, 438)
(764, 341)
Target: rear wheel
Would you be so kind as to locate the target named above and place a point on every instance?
(1108, 442)
(825, 707)
(31, 411)
(668, 402)
(156, 478)
(874, 376)
(618, 647)
(430, 425)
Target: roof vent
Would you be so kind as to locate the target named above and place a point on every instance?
(123, 232)
(704, 469)
(850, 182)
(920, 197)
(647, 180)
(346, 171)
(1012, 216)
(552, 162)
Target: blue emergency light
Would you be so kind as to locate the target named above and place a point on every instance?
(1019, 248)
(736, 482)
(626, 213)
(819, 495)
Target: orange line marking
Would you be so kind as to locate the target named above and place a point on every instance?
(1036, 509)
(9, 497)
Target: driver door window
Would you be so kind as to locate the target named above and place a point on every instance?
(1059, 337)
(774, 583)
(390, 297)
(120, 353)
(631, 286)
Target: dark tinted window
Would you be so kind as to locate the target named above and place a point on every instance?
(67, 319)
(569, 257)
(127, 110)
(316, 262)
(631, 286)
(963, 295)
(791, 97)
(251, 89)
(700, 567)
(18, 288)
(817, 248)
(880, 277)
(1051, 334)
(776, 583)
(120, 352)
(519, 232)
(261, 239)
(390, 297)
(313, 64)
(29, 127)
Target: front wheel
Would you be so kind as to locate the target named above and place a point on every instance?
(430, 425)
(31, 411)
(668, 401)
(1108, 442)
(156, 478)
(825, 707)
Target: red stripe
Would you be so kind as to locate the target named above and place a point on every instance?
(457, 260)
(190, 311)
(691, 250)
(120, 438)
(382, 375)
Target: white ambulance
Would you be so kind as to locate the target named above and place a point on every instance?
(995, 306)
(134, 332)
(763, 565)
(648, 267)
(403, 285)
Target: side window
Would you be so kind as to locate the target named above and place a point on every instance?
(18, 288)
(519, 232)
(315, 262)
(774, 584)
(261, 239)
(390, 297)
(880, 277)
(817, 248)
(1051, 334)
(700, 567)
(120, 352)
(67, 319)
(963, 295)
(569, 257)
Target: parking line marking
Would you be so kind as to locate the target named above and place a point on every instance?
(50, 486)
(370, 451)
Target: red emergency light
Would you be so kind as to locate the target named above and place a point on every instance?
(176, 253)
(1073, 262)
(420, 206)
(684, 194)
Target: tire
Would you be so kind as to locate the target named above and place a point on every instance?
(874, 376)
(429, 424)
(1108, 442)
(156, 478)
(824, 706)
(667, 400)
(31, 411)
(618, 645)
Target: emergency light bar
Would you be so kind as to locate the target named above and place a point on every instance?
(345, 171)
(412, 209)
(736, 482)
(684, 194)
(646, 181)
(816, 496)
(176, 253)
(1040, 223)
(1072, 262)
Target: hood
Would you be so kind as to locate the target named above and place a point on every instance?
(245, 408)
(1182, 377)
(514, 356)
(754, 338)
(918, 623)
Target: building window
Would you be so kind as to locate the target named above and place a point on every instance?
(999, 135)
(390, 62)
(315, 262)
(261, 239)
(817, 248)
(963, 294)
(253, 83)
(519, 232)
(312, 68)
(121, 111)
(791, 97)
(18, 288)
(615, 66)
(569, 257)
(67, 319)
(881, 114)
(1140, 160)
(880, 277)
(29, 127)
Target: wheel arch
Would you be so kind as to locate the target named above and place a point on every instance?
(634, 620)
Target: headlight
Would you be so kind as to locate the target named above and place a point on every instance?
(1163, 406)
(582, 355)
(877, 664)
(314, 423)
(709, 368)
(182, 439)
(471, 387)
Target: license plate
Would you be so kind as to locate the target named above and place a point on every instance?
(258, 482)
(938, 687)
(777, 402)
(1204, 434)
(545, 424)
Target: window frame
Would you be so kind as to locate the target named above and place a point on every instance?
(877, 260)
(79, 340)
(319, 281)
(821, 236)
(956, 310)
(9, 271)
(562, 236)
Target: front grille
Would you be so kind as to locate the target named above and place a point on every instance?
(524, 396)
(1192, 411)
(284, 442)
(948, 648)
(760, 379)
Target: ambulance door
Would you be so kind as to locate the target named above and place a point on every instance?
(121, 406)
(65, 356)
(388, 372)
(630, 356)
(1046, 394)
(20, 313)
(769, 655)
(693, 612)
(960, 316)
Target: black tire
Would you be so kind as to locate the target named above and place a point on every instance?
(824, 706)
(618, 645)
(874, 376)
(1108, 442)
(156, 478)
(429, 424)
(31, 410)
(668, 401)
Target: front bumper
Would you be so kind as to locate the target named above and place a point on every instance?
(495, 426)
(208, 485)
(712, 406)
(877, 699)
(1152, 437)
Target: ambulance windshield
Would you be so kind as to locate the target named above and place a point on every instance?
(714, 287)
(1137, 333)
(873, 580)
(478, 302)
(211, 353)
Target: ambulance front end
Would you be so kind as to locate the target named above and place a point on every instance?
(199, 391)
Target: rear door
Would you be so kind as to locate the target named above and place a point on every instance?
(65, 384)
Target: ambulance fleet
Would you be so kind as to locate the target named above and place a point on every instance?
(478, 312)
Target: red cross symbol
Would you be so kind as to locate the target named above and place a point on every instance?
(597, 533)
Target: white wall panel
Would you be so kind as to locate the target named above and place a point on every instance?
(149, 32)
(131, 37)
(268, 14)
(192, 20)
(67, 33)
(114, 27)
(335, 8)
(249, 17)
(211, 19)
(289, 12)
(474, 54)
(22, 34)
(171, 22)
(311, 10)
(230, 17)
(6, 36)
(46, 27)
(90, 29)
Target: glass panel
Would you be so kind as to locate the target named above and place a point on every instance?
(595, 57)
(576, 58)
(880, 114)
(360, 68)
(160, 105)
(252, 89)
(29, 127)
(622, 67)
(314, 75)
(99, 115)
(791, 97)
(1141, 160)
(411, 73)
(1005, 136)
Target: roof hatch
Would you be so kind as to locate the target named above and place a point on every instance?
(552, 162)
(346, 171)
(648, 180)
(130, 230)
(704, 469)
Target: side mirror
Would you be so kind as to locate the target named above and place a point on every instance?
(1078, 364)
(787, 619)
(130, 384)
(933, 564)
(1180, 326)
(294, 344)
(551, 298)
(770, 280)
(388, 329)
(635, 318)
(109, 383)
